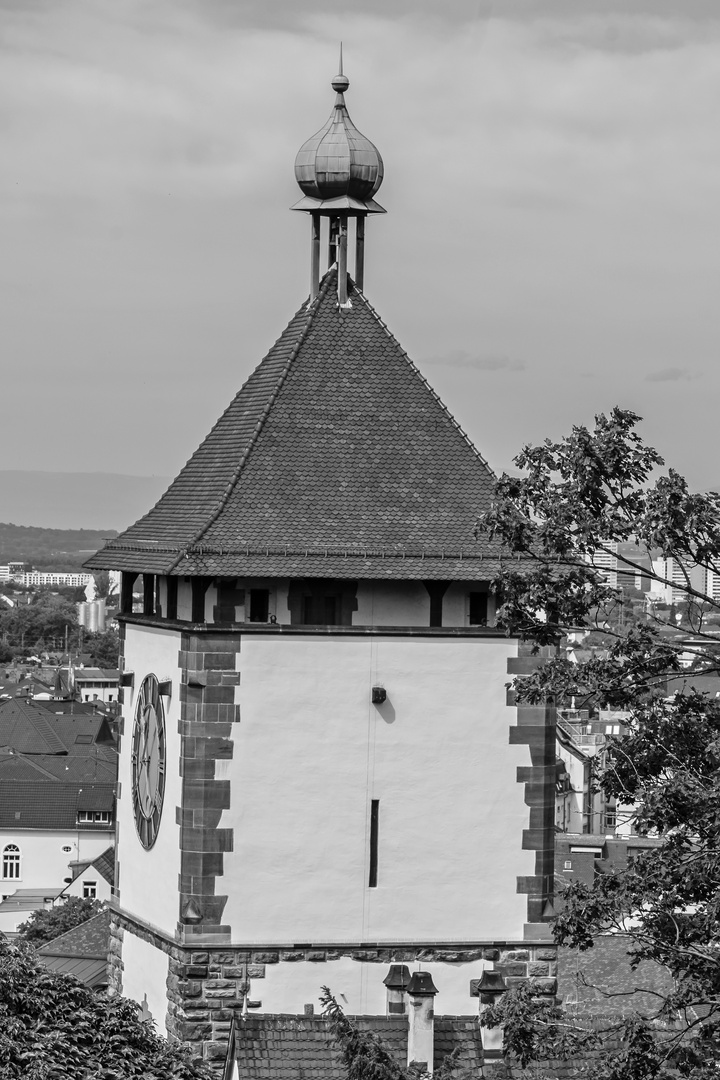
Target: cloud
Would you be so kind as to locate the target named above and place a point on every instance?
(542, 157)
(672, 374)
(459, 358)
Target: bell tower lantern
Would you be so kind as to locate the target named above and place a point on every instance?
(339, 172)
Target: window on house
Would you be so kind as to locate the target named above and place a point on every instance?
(89, 890)
(11, 862)
(97, 817)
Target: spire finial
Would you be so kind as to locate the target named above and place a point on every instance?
(340, 83)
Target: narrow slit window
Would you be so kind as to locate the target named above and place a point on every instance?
(374, 836)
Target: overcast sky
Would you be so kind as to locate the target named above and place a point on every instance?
(550, 247)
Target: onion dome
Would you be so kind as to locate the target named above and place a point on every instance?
(338, 161)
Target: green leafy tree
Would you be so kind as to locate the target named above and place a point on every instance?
(43, 619)
(104, 648)
(52, 1026)
(573, 502)
(46, 924)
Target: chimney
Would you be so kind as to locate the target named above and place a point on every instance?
(491, 987)
(421, 1017)
(396, 983)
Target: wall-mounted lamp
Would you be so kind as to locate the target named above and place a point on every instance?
(165, 687)
(127, 678)
(191, 913)
(379, 694)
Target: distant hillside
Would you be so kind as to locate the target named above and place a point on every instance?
(98, 501)
(49, 549)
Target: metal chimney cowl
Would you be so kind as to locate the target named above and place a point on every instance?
(421, 985)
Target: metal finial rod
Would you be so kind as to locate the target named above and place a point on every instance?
(340, 83)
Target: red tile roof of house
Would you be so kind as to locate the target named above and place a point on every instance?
(335, 459)
(52, 804)
(36, 744)
(82, 951)
(90, 939)
(270, 1047)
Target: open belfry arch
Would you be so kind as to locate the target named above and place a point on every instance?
(320, 775)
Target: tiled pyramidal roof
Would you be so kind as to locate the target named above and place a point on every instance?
(335, 459)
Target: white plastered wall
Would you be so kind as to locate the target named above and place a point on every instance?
(312, 752)
(44, 858)
(144, 977)
(358, 986)
(149, 879)
(89, 875)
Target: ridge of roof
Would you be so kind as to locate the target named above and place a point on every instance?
(310, 307)
(27, 759)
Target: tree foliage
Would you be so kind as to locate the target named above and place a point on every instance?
(49, 923)
(41, 621)
(52, 1027)
(595, 493)
(103, 648)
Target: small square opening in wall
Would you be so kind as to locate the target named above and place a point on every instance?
(89, 890)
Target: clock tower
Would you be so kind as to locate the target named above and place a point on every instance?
(320, 774)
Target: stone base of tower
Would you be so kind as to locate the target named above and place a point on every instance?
(203, 989)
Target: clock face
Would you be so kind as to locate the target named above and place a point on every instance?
(148, 761)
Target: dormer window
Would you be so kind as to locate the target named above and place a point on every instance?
(93, 817)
